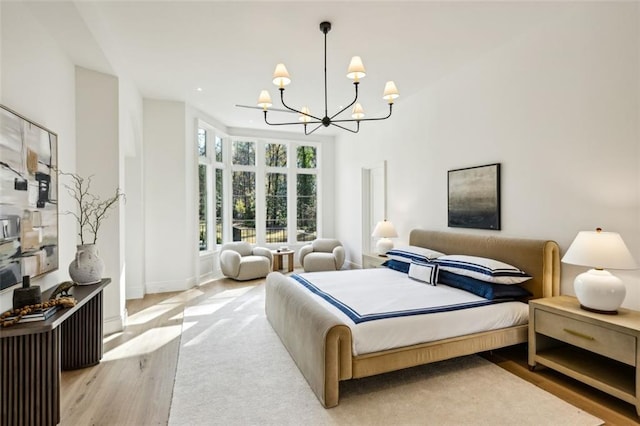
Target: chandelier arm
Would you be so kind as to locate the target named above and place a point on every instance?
(333, 123)
(355, 83)
(316, 128)
(288, 124)
(366, 119)
(293, 109)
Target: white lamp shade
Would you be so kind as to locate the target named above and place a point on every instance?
(305, 118)
(384, 229)
(598, 290)
(264, 100)
(358, 112)
(600, 250)
(281, 76)
(356, 69)
(390, 92)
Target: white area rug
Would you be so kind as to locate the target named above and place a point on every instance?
(233, 370)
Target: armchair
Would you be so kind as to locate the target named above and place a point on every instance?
(323, 254)
(239, 261)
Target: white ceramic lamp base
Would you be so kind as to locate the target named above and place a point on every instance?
(599, 291)
(383, 246)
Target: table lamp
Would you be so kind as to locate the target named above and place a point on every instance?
(384, 230)
(598, 290)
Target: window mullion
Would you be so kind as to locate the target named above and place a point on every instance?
(261, 209)
(292, 194)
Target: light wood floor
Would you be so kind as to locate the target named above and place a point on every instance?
(133, 383)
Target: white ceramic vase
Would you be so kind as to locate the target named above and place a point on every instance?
(87, 267)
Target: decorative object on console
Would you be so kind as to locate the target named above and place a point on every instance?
(384, 230)
(355, 72)
(35, 312)
(87, 267)
(28, 199)
(598, 290)
(27, 295)
(474, 197)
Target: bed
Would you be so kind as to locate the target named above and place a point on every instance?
(321, 342)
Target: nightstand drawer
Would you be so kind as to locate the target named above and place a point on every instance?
(607, 342)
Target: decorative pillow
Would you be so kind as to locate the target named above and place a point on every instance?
(422, 271)
(397, 265)
(409, 253)
(481, 268)
(482, 288)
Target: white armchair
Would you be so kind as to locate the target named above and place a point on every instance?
(323, 254)
(238, 260)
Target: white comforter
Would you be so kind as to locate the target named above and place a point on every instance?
(382, 290)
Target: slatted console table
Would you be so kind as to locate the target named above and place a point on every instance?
(33, 354)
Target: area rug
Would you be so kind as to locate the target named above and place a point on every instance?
(233, 370)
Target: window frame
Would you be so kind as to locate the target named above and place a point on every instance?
(260, 169)
(209, 160)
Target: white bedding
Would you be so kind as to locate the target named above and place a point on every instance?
(382, 288)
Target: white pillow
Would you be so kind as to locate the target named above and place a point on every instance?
(481, 268)
(409, 253)
(425, 272)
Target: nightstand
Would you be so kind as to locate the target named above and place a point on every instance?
(600, 350)
(372, 260)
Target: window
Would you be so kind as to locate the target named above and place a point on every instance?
(244, 153)
(307, 194)
(307, 207)
(219, 204)
(203, 189)
(267, 190)
(276, 200)
(210, 184)
(244, 206)
(204, 234)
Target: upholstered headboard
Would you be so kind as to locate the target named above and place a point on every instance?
(539, 258)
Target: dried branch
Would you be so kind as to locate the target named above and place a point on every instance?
(91, 211)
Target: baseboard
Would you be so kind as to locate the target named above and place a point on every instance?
(136, 292)
(214, 275)
(167, 286)
(351, 265)
(114, 324)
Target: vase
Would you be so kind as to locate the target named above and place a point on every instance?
(87, 267)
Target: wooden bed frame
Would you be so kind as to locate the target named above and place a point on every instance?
(320, 343)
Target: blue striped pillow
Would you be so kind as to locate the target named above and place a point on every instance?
(409, 253)
(481, 268)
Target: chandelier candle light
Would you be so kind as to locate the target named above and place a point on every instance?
(598, 290)
(355, 72)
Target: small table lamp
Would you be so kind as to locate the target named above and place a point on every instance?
(384, 230)
(598, 290)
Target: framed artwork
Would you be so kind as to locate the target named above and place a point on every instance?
(28, 199)
(474, 197)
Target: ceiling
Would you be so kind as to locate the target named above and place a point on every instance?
(170, 49)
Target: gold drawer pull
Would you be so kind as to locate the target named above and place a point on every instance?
(575, 333)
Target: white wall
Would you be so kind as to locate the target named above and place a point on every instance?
(558, 107)
(168, 220)
(38, 81)
(131, 140)
(99, 155)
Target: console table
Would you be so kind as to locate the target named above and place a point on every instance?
(33, 354)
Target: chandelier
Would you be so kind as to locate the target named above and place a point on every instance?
(355, 72)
